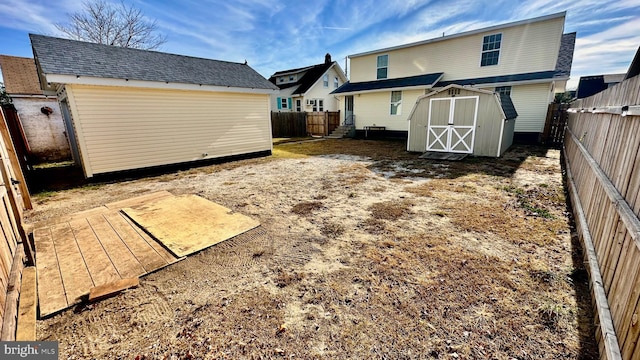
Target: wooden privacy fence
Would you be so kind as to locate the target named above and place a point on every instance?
(602, 159)
(288, 124)
(299, 124)
(13, 200)
(553, 134)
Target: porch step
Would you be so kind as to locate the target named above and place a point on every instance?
(342, 131)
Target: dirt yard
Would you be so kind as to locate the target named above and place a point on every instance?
(365, 252)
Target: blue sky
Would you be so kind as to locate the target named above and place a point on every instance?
(275, 35)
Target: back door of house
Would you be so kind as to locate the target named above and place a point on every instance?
(452, 123)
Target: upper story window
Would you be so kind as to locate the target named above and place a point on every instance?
(281, 79)
(335, 82)
(491, 49)
(382, 65)
(503, 90)
(325, 80)
(396, 102)
(292, 77)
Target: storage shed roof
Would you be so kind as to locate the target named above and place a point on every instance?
(77, 58)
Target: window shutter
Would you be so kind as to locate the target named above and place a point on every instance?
(289, 103)
(279, 103)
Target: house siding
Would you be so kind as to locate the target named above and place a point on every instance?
(531, 103)
(318, 91)
(459, 57)
(139, 127)
(375, 109)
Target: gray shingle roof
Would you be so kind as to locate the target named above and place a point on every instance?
(507, 106)
(78, 58)
(426, 80)
(565, 55)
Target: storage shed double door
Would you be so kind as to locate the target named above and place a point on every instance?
(452, 123)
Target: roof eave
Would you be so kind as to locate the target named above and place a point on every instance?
(98, 81)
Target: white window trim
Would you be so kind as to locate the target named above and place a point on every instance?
(336, 82)
(325, 80)
(317, 107)
(499, 50)
(398, 103)
(387, 67)
(284, 103)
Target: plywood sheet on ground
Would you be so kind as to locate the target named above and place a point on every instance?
(189, 223)
(94, 248)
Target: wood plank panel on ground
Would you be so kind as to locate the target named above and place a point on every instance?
(94, 248)
(187, 224)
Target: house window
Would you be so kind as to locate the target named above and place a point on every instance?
(382, 65)
(396, 102)
(318, 105)
(503, 90)
(281, 79)
(325, 80)
(298, 105)
(491, 49)
(283, 103)
(335, 82)
(291, 77)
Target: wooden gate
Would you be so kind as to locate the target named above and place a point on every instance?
(451, 124)
(322, 123)
(553, 134)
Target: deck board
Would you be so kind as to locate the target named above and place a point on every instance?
(145, 254)
(119, 254)
(98, 263)
(75, 275)
(50, 289)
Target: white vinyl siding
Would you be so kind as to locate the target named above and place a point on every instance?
(531, 103)
(524, 48)
(373, 108)
(121, 128)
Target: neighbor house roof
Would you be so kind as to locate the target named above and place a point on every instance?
(20, 75)
(634, 67)
(427, 80)
(591, 85)
(56, 56)
(303, 84)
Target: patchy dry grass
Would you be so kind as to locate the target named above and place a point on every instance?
(388, 257)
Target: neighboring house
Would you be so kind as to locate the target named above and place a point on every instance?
(528, 60)
(38, 112)
(130, 109)
(308, 88)
(591, 85)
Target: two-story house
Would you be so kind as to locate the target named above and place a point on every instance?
(528, 60)
(308, 88)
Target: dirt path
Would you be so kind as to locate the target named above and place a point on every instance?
(365, 251)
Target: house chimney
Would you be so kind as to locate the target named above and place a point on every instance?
(327, 59)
